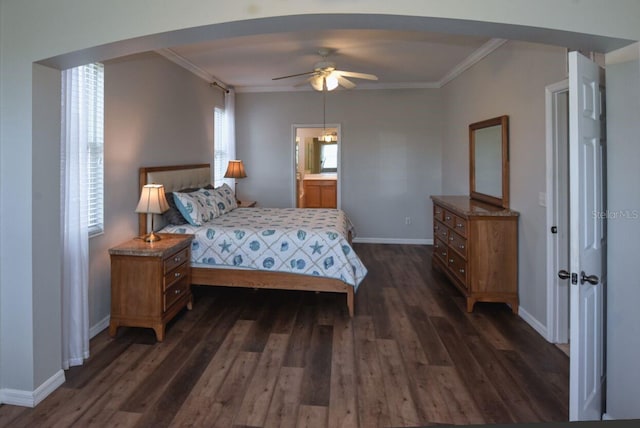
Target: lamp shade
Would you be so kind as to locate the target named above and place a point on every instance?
(152, 200)
(235, 169)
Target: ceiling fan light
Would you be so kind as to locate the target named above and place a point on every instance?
(316, 83)
(332, 82)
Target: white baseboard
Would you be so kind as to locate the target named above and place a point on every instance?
(393, 241)
(533, 322)
(18, 397)
(608, 417)
(101, 325)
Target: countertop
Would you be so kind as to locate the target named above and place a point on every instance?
(324, 176)
(471, 207)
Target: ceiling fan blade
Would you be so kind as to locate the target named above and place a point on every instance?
(294, 75)
(303, 82)
(345, 83)
(357, 75)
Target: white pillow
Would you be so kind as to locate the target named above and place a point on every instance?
(197, 207)
(225, 199)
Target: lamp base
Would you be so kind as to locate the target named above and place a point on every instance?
(151, 237)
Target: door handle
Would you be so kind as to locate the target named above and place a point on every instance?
(591, 279)
(563, 274)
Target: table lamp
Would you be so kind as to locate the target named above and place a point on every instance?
(152, 201)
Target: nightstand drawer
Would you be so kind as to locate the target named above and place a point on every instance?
(440, 231)
(458, 244)
(175, 292)
(176, 259)
(176, 275)
(460, 225)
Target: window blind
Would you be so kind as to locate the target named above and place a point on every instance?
(93, 88)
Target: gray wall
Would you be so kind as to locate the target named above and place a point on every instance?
(156, 113)
(510, 81)
(390, 153)
(623, 290)
(46, 221)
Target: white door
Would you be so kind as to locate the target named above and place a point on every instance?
(587, 138)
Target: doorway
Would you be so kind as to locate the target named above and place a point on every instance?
(316, 166)
(558, 249)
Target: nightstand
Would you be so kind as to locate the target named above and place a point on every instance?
(246, 204)
(150, 282)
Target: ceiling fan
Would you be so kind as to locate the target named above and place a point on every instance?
(325, 76)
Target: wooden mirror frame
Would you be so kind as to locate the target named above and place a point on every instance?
(502, 201)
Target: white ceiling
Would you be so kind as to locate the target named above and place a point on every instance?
(399, 58)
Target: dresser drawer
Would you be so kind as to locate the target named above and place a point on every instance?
(458, 267)
(449, 218)
(440, 250)
(458, 244)
(440, 231)
(175, 292)
(176, 259)
(460, 225)
(176, 275)
(438, 212)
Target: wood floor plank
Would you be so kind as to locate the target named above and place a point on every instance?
(84, 399)
(163, 410)
(300, 335)
(487, 399)
(204, 392)
(222, 411)
(403, 331)
(458, 398)
(153, 386)
(402, 409)
(255, 405)
(316, 384)
(342, 398)
(372, 400)
(511, 393)
(432, 346)
(411, 356)
(283, 409)
(312, 417)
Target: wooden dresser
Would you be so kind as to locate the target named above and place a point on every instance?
(150, 282)
(476, 246)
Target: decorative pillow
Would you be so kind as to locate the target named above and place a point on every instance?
(173, 215)
(225, 199)
(196, 207)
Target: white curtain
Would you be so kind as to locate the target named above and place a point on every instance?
(225, 140)
(75, 229)
(230, 122)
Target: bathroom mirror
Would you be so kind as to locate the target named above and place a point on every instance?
(489, 161)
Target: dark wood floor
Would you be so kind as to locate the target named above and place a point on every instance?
(411, 356)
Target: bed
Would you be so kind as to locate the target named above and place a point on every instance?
(262, 248)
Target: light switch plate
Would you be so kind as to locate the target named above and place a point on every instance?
(542, 199)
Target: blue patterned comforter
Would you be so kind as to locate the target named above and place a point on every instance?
(304, 241)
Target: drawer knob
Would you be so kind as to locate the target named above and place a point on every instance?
(461, 246)
(461, 270)
(177, 274)
(451, 238)
(444, 254)
(436, 227)
(450, 260)
(177, 291)
(177, 259)
(447, 217)
(459, 225)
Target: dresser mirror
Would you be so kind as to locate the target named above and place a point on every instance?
(489, 161)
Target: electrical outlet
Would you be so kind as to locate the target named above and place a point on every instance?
(407, 220)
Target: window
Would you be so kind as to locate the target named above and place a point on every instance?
(94, 81)
(220, 149)
(329, 156)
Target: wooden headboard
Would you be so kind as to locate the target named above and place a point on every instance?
(174, 178)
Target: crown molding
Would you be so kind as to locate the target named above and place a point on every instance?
(456, 71)
(472, 59)
(173, 56)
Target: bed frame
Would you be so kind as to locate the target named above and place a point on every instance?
(176, 177)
